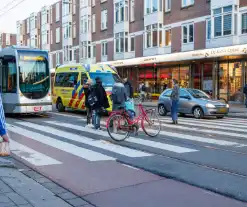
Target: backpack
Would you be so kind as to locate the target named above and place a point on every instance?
(117, 95)
(92, 98)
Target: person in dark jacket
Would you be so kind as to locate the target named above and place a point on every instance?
(245, 92)
(101, 104)
(87, 89)
(128, 88)
(175, 99)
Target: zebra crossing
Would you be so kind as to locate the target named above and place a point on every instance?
(74, 138)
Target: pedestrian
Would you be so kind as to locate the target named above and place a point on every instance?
(101, 102)
(245, 92)
(119, 96)
(87, 87)
(175, 100)
(4, 147)
(128, 88)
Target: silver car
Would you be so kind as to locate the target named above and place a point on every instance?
(193, 101)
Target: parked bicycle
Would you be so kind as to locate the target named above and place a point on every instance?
(141, 97)
(120, 126)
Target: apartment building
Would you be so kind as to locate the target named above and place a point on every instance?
(202, 43)
(7, 39)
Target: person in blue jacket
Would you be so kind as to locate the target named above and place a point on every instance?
(3, 131)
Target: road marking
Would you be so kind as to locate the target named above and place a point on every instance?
(152, 144)
(70, 148)
(185, 121)
(65, 114)
(31, 156)
(211, 126)
(85, 140)
(231, 134)
(196, 138)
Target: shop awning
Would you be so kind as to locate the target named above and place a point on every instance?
(183, 56)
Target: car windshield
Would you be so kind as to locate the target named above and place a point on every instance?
(198, 94)
(34, 74)
(108, 79)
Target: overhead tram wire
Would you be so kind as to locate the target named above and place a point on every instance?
(7, 5)
(12, 8)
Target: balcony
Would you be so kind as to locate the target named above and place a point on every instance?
(124, 55)
(187, 47)
(157, 51)
(153, 18)
(88, 60)
(224, 41)
(121, 27)
(87, 36)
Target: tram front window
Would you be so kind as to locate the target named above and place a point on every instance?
(34, 74)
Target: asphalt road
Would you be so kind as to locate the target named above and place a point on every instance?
(210, 155)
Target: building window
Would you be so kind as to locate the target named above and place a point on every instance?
(28, 25)
(208, 29)
(168, 5)
(121, 11)
(132, 43)
(74, 29)
(104, 49)
(94, 50)
(119, 42)
(57, 58)
(51, 15)
(244, 23)
(223, 21)
(152, 6)
(51, 37)
(168, 37)
(103, 19)
(74, 6)
(187, 2)
(57, 12)
(153, 35)
(93, 23)
(188, 33)
(58, 35)
(132, 10)
(93, 2)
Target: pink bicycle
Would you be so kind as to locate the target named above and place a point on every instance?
(120, 126)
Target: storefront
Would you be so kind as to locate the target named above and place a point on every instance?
(221, 72)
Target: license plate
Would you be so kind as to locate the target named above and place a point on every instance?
(223, 110)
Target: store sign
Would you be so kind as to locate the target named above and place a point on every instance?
(192, 55)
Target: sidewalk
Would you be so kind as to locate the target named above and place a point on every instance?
(236, 110)
(18, 190)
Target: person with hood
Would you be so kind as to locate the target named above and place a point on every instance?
(245, 92)
(101, 102)
(119, 96)
(87, 87)
(128, 88)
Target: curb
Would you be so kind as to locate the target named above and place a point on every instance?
(6, 163)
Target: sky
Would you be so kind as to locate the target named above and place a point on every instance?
(9, 18)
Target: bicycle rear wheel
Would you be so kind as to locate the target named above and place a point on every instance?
(151, 124)
(118, 127)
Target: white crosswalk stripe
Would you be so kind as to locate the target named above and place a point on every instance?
(75, 139)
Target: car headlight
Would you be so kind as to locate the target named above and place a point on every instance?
(227, 106)
(211, 106)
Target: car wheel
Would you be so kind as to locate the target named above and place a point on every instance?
(60, 106)
(198, 113)
(162, 110)
(219, 117)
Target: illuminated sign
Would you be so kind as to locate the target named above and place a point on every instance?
(34, 58)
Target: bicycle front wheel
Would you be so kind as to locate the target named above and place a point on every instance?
(151, 124)
(118, 127)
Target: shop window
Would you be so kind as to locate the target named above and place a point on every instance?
(184, 78)
(188, 33)
(244, 23)
(223, 21)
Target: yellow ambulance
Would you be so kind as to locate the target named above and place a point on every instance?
(70, 78)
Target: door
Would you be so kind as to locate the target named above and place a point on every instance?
(184, 102)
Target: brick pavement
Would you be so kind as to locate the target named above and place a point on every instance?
(24, 188)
